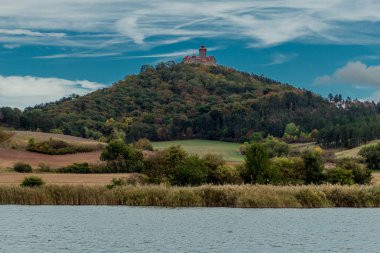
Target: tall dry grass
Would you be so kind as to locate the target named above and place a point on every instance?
(245, 196)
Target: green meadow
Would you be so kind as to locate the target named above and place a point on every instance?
(229, 150)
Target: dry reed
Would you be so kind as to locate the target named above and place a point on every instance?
(244, 196)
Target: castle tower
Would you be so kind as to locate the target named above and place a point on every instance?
(202, 52)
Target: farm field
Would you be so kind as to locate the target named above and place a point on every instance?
(354, 151)
(229, 150)
(9, 157)
(13, 178)
(19, 139)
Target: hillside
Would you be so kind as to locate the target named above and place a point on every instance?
(177, 101)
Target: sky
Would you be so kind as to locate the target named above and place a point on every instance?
(50, 49)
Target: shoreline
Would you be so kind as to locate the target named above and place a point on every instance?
(236, 196)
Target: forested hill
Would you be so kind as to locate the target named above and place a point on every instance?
(177, 101)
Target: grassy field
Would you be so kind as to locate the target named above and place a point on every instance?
(20, 139)
(242, 196)
(13, 150)
(229, 150)
(354, 151)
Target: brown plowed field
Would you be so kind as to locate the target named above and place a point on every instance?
(61, 179)
(8, 157)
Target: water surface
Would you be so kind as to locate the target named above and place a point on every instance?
(138, 229)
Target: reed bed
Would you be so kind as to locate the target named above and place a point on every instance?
(243, 196)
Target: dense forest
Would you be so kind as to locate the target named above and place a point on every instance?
(180, 101)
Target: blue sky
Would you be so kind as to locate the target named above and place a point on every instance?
(50, 49)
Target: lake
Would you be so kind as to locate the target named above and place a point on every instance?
(139, 229)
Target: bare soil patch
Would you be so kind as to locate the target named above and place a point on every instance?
(62, 179)
(9, 157)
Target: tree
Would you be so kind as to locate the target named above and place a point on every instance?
(143, 144)
(192, 171)
(371, 155)
(257, 166)
(313, 167)
(122, 157)
(339, 176)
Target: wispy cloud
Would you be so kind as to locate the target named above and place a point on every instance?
(76, 55)
(23, 91)
(260, 23)
(11, 46)
(181, 53)
(24, 32)
(279, 58)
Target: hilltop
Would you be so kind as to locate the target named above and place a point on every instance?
(186, 101)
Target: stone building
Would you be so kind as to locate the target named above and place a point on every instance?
(202, 58)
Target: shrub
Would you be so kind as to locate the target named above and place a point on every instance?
(225, 175)
(56, 147)
(361, 175)
(56, 131)
(339, 176)
(122, 157)
(76, 168)
(86, 168)
(22, 168)
(313, 167)
(4, 135)
(161, 167)
(43, 168)
(32, 181)
(132, 179)
(257, 166)
(371, 155)
(192, 171)
(276, 148)
(289, 170)
(143, 144)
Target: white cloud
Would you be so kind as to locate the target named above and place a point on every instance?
(354, 73)
(11, 46)
(261, 23)
(279, 58)
(181, 53)
(23, 91)
(76, 55)
(30, 33)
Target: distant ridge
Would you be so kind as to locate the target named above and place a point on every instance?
(184, 101)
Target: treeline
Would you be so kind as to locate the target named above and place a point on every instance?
(266, 162)
(176, 101)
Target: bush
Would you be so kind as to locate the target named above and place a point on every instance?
(257, 167)
(225, 175)
(44, 168)
(86, 168)
(289, 170)
(339, 176)
(143, 144)
(22, 168)
(56, 147)
(192, 171)
(32, 181)
(161, 167)
(371, 155)
(361, 175)
(4, 135)
(132, 179)
(122, 157)
(313, 167)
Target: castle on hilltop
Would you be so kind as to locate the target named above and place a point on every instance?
(202, 58)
